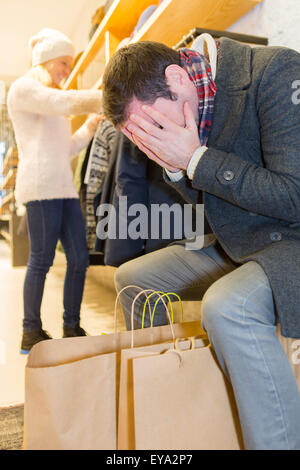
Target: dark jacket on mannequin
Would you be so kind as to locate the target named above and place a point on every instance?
(133, 175)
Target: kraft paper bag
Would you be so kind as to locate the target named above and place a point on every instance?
(71, 406)
(72, 386)
(126, 426)
(182, 400)
(63, 362)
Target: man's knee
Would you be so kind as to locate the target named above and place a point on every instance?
(216, 306)
(224, 301)
(125, 275)
(241, 297)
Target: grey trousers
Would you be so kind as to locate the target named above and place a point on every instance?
(188, 273)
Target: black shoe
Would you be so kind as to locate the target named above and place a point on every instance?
(70, 332)
(30, 338)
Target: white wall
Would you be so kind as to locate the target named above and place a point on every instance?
(20, 19)
(278, 20)
(82, 24)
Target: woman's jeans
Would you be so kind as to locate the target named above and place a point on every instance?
(238, 315)
(49, 221)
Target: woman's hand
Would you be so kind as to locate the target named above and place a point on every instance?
(93, 121)
(169, 145)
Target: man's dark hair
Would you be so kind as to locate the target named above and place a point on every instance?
(137, 70)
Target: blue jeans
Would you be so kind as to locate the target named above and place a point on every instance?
(238, 315)
(49, 221)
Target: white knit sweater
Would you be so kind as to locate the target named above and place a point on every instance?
(44, 139)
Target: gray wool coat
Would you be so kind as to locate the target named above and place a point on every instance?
(250, 175)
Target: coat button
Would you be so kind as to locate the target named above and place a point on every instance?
(228, 175)
(275, 236)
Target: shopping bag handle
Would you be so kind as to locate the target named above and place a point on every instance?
(178, 354)
(117, 298)
(167, 295)
(160, 297)
(163, 294)
(144, 291)
(178, 351)
(192, 340)
(147, 300)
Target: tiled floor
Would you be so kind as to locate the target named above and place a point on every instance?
(97, 315)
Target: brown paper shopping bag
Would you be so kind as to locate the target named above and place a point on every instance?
(126, 420)
(72, 406)
(126, 427)
(182, 400)
(72, 387)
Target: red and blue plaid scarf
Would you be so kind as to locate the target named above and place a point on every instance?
(199, 70)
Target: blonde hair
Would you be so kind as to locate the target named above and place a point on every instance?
(41, 74)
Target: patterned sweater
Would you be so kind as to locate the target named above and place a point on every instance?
(44, 139)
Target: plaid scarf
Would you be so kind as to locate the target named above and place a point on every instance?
(199, 70)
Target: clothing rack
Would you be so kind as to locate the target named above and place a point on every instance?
(217, 34)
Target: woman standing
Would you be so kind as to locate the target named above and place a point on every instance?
(38, 109)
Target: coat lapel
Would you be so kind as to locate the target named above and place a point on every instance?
(233, 79)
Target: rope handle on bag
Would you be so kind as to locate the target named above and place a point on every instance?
(181, 309)
(117, 298)
(151, 316)
(132, 311)
(164, 294)
(190, 338)
(178, 351)
(160, 296)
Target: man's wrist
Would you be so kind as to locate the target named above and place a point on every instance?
(195, 160)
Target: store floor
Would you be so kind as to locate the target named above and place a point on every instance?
(97, 315)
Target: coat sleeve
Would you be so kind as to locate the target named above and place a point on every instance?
(272, 189)
(185, 189)
(28, 95)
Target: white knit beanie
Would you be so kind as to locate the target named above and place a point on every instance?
(49, 44)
